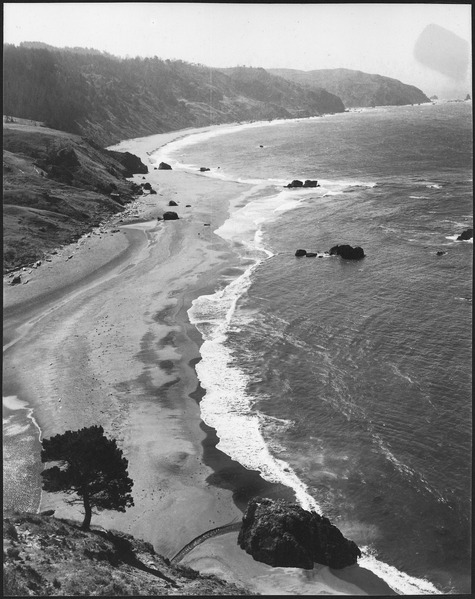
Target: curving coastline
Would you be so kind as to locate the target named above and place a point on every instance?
(109, 342)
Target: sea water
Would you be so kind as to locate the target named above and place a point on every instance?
(350, 381)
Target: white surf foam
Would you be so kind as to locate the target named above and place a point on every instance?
(400, 582)
(226, 405)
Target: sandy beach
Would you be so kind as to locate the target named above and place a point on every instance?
(100, 335)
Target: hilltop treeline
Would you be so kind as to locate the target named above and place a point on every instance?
(109, 99)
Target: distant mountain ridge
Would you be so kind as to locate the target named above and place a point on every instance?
(356, 88)
(109, 99)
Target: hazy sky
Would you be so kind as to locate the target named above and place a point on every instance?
(375, 38)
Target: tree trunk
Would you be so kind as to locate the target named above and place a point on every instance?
(87, 512)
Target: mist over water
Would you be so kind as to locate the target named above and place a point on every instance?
(351, 381)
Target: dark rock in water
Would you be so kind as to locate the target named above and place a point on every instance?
(310, 183)
(16, 280)
(466, 235)
(295, 183)
(188, 206)
(153, 192)
(146, 185)
(347, 252)
(163, 166)
(203, 169)
(300, 253)
(311, 254)
(440, 253)
(170, 216)
(283, 534)
(261, 146)
(172, 203)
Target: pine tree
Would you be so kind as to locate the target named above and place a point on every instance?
(91, 467)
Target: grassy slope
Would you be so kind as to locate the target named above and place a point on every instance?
(56, 186)
(45, 556)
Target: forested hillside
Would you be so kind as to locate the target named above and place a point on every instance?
(357, 88)
(109, 99)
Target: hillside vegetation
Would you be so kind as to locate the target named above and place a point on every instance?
(56, 187)
(109, 99)
(45, 556)
(356, 88)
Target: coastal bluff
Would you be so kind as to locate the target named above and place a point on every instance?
(46, 556)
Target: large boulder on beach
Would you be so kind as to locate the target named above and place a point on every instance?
(163, 166)
(170, 216)
(347, 252)
(283, 534)
(131, 162)
(465, 235)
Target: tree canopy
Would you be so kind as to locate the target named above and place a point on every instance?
(91, 466)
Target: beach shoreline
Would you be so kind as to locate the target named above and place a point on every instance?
(104, 338)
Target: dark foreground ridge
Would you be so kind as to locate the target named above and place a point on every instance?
(46, 556)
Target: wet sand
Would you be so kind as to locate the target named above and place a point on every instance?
(100, 335)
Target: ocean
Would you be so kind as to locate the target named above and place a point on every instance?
(350, 381)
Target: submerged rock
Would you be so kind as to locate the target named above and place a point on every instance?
(283, 534)
(347, 252)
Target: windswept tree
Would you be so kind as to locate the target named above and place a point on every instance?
(89, 465)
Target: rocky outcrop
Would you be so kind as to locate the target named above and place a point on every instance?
(347, 252)
(163, 166)
(170, 216)
(298, 183)
(310, 183)
(465, 235)
(283, 534)
(295, 183)
(132, 163)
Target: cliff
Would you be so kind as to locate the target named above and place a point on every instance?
(109, 99)
(56, 186)
(46, 556)
(356, 88)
